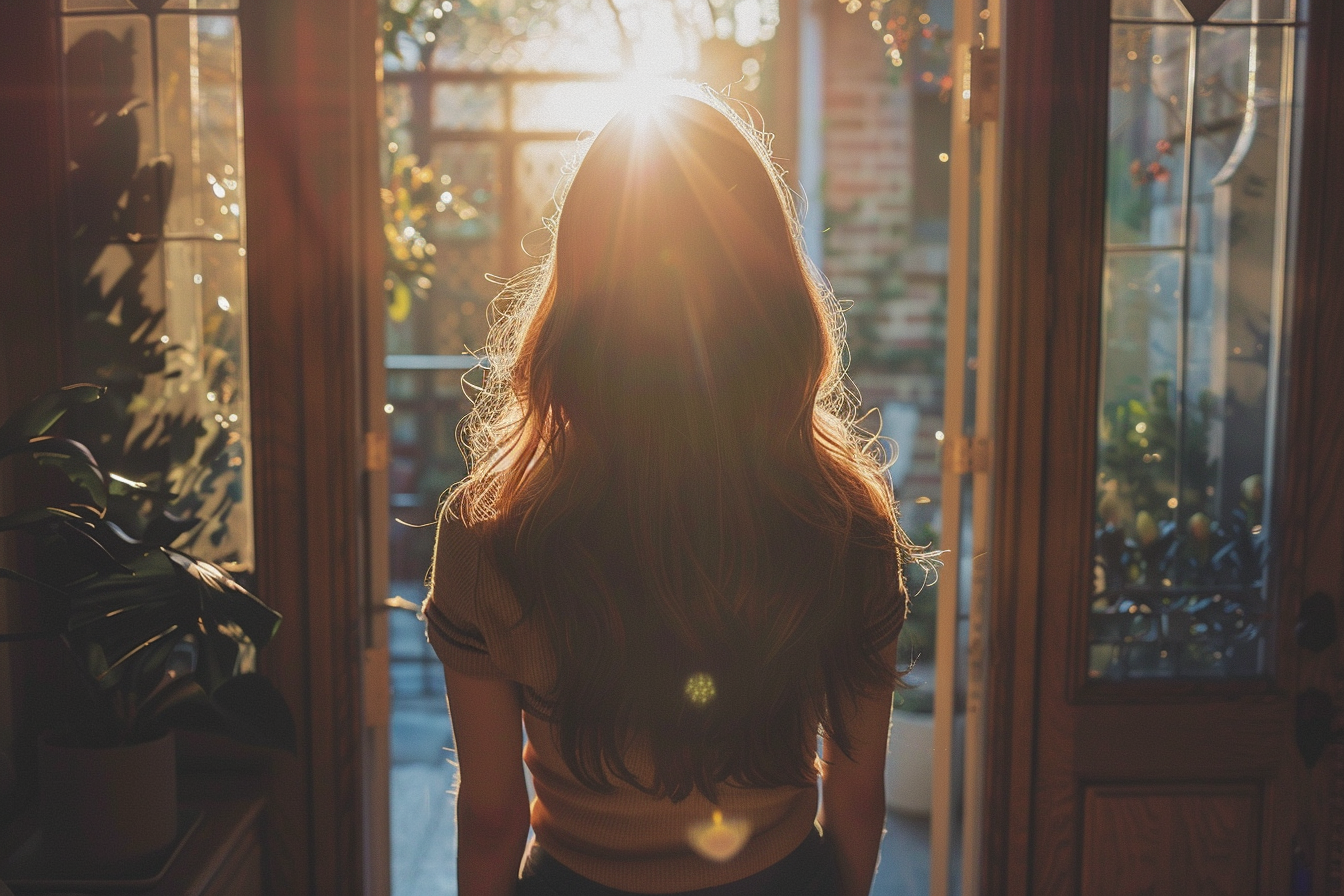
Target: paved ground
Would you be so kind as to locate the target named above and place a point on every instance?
(423, 841)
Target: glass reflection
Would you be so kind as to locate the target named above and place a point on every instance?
(1254, 11)
(198, 105)
(1145, 199)
(1161, 10)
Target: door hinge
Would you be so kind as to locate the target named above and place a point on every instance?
(377, 687)
(966, 454)
(375, 452)
(984, 85)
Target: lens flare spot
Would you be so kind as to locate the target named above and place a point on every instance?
(700, 688)
(719, 839)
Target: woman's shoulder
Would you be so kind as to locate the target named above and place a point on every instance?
(465, 564)
(471, 612)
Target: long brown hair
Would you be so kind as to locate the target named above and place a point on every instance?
(665, 462)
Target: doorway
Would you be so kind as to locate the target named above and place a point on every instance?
(483, 111)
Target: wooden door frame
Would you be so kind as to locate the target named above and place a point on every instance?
(310, 119)
(310, 137)
(1053, 162)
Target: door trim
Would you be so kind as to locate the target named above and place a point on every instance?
(310, 128)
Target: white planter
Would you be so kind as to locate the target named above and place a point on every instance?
(909, 776)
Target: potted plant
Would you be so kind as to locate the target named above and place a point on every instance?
(909, 772)
(159, 640)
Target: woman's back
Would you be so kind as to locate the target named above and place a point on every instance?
(673, 846)
(671, 523)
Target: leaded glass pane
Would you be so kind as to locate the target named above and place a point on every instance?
(575, 36)
(201, 4)
(459, 299)
(538, 167)
(156, 266)
(568, 105)
(198, 100)
(468, 106)
(1158, 10)
(206, 322)
(1190, 353)
(1150, 68)
(472, 207)
(115, 179)
(1254, 11)
(97, 5)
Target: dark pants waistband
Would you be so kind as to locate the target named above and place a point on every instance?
(807, 871)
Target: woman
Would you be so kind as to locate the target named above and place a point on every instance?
(674, 554)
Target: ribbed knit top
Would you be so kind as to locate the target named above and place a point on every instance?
(624, 839)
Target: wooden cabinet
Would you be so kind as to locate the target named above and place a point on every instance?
(221, 856)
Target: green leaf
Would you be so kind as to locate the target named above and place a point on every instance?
(168, 699)
(75, 461)
(256, 711)
(40, 414)
(117, 664)
(21, 519)
(247, 708)
(46, 589)
(225, 600)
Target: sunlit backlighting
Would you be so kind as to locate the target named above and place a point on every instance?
(700, 688)
(586, 106)
(720, 838)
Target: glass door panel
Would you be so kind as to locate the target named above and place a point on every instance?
(1198, 200)
(156, 266)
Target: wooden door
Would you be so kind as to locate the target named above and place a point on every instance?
(1169, 460)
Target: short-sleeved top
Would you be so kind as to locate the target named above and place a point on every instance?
(624, 839)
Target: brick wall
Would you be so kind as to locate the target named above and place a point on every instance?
(895, 286)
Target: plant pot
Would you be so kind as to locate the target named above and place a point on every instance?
(909, 772)
(105, 807)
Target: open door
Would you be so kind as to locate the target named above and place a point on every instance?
(1169, 540)
(968, 421)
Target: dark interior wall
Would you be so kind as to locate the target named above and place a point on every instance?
(30, 356)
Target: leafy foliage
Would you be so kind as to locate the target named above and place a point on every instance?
(162, 638)
(410, 190)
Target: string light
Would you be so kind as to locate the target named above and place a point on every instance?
(901, 22)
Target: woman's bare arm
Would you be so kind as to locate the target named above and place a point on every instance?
(853, 798)
(492, 810)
